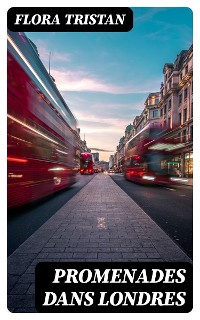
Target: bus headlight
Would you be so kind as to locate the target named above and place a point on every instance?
(151, 178)
(176, 179)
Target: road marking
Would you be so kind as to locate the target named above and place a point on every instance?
(170, 189)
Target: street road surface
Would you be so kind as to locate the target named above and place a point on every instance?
(22, 222)
(170, 207)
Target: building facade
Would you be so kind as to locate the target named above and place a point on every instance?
(111, 161)
(119, 156)
(176, 108)
(149, 115)
(171, 109)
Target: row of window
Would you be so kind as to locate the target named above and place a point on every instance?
(164, 111)
(184, 116)
(169, 84)
(182, 74)
(186, 71)
(185, 137)
(182, 95)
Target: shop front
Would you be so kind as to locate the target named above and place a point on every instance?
(188, 164)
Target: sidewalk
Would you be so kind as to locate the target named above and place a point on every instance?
(100, 223)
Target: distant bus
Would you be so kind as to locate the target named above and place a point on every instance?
(149, 158)
(42, 131)
(86, 163)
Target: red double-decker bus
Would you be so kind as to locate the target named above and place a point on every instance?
(149, 158)
(42, 133)
(86, 163)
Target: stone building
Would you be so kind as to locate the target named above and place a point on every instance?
(150, 113)
(170, 109)
(119, 154)
(176, 108)
(111, 161)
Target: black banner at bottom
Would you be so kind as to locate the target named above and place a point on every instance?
(113, 287)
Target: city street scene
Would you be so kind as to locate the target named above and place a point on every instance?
(100, 147)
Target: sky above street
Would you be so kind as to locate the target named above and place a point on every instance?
(105, 78)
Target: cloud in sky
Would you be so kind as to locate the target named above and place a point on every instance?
(72, 80)
(103, 106)
(94, 124)
(147, 15)
(102, 124)
(45, 53)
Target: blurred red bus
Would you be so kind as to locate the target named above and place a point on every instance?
(86, 163)
(42, 134)
(149, 158)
